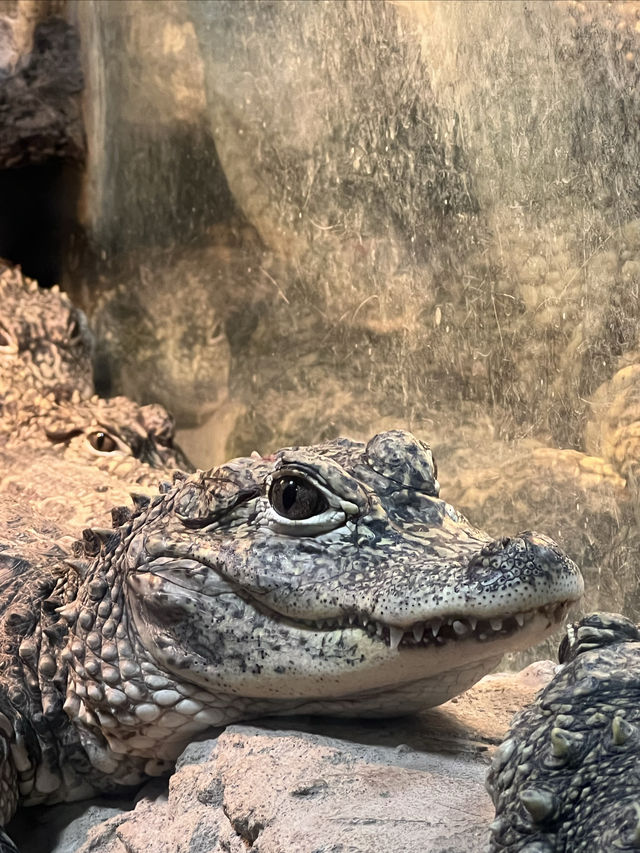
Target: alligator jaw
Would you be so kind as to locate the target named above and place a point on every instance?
(440, 630)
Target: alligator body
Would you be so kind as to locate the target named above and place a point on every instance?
(566, 778)
(329, 579)
(45, 343)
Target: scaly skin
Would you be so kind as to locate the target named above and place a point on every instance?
(106, 433)
(329, 579)
(45, 344)
(566, 778)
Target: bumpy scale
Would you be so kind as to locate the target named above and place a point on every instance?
(566, 778)
(328, 579)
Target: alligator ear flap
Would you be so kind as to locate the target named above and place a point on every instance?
(194, 505)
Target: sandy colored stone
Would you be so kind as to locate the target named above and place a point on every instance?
(613, 428)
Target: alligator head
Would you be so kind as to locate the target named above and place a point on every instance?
(327, 579)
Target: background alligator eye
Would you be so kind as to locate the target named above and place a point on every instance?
(102, 441)
(295, 498)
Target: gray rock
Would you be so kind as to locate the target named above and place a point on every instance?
(321, 785)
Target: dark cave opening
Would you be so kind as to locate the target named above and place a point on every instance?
(37, 214)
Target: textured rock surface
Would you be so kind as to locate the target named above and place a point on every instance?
(411, 784)
(583, 502)
(435, 241)
(40, 113)
(613, 428)
(150, 133)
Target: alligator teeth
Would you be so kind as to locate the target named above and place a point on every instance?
(520, 619)
(435, 626)
(395, 635)
(418, 632)
(459, 627)
(496, 624)
(473, 622)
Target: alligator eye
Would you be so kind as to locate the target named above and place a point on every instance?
(295, 498)
(102, 441)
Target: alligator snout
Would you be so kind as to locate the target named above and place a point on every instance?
(530, 566)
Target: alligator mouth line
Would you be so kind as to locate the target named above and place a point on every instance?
(447, 629)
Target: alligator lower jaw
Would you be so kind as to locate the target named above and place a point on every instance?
(441, 631)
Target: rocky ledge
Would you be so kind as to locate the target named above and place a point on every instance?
(316, 786)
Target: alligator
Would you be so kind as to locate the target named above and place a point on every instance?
(46, 391)
(565, 779)
(45, 343)
(328, 579)
(72, 460)
(93, 430)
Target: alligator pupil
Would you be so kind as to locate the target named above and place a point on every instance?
(102, 442)
(295, 498)
(289, 495)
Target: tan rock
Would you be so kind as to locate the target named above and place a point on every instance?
(613, 428)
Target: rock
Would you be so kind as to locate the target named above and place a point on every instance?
(410, 784)
(152, 177)
(40, 114)
(422, 216)
(577, 499)
(326, 138)
(613, 428)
